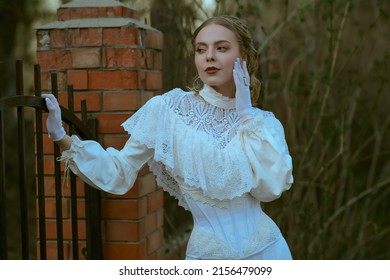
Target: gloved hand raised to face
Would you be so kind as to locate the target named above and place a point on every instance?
(54, 123)
(243, 93)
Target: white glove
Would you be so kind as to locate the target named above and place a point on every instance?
(243, 93)
(54, 123)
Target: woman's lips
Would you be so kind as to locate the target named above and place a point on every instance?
(211, 70)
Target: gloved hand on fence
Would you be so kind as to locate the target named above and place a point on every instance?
(54, 123)
(243, 93)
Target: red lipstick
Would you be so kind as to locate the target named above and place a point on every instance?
(211, 70)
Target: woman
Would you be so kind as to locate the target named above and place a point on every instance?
(208, 147)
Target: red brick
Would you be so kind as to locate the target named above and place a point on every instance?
(63, 14)
(83, 12)
(48, 146)
(132, 193)
(147, 184)
(119, 11)
(54, 59)
(80, 190)
(50, 208)
(115, 141)
(46, 80)
(123, 58)
(150, 223)
(51, 250)
(92, 98)
(51, 229)
(78, 78)
(57, 38)
(111, 123)
(158, 61)
(142, 79)
(82, 247)
(48, 162)
(123, 209)
(122, 231)
(109, 196)
(153, 80)
(86, 58)
(153, 59)
(146, 96)
(155, 200)
(111, 12)
(160, 217)
(154, 39)
(155, 241)
(63, 99)
(124, 251)
(85, 37)
(121, 101)
(49, 183)
(81, 229)
(130, 13)
(81, 208)
(121, 36)
(112, 79)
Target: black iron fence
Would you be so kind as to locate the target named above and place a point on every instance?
(85, 128)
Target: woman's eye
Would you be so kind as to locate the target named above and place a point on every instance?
(222, 49)
(200, 50)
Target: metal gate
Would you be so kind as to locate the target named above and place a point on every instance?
(86, 129)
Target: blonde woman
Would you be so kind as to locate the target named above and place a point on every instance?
(219, 156)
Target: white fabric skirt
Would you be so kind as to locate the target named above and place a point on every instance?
(278, 250)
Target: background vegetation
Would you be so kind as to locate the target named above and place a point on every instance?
(325, 75)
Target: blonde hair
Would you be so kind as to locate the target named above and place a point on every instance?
(247, 48)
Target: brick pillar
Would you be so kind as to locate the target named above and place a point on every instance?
(114, 62)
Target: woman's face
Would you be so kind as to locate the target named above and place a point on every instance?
(216, 48)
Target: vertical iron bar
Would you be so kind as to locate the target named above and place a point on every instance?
(3, 216)
(40, 166)
(92, 204)
(73, 190)
(22, 171)
(57, 174)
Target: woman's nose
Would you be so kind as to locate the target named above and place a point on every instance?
(210, 55)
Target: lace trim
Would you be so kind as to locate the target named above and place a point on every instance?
(206, 245)
(167, 182)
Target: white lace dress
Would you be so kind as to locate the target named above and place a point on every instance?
(215, 166)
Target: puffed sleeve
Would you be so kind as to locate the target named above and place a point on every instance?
(263, 141)
(110, 170)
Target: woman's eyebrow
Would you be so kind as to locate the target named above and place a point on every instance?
(214, 43)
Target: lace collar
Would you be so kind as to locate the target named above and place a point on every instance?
(215, 98)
